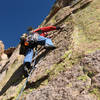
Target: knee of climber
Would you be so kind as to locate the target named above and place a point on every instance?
(29, 55)
(49, 42)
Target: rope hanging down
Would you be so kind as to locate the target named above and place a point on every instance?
(33, 68)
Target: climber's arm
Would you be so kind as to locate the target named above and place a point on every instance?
(47, 29)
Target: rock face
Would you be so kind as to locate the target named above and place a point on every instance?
(3, 56)
(66, 86)
(1, 48)
(72, 70)
(56, 7)
(91, 65)
(9, 51)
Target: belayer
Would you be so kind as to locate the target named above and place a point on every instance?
(35, 37)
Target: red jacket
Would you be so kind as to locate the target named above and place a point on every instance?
(43, 31)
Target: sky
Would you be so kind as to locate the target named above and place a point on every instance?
(17, 15)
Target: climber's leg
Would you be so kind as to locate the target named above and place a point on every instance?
(29, 55)
(46, 42)
(27, 61)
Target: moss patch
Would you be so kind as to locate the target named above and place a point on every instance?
(86, 35)
(83, 78)
(96, 92)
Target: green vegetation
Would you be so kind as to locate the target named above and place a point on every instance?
(83, 78)
(89, 73)
(68, 60)
(96, 92)
(55, 69)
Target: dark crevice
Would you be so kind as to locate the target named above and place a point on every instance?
(12, 98)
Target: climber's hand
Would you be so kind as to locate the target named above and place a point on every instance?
(63, 26)
(60, 27)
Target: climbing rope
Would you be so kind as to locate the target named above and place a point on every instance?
(38, 52)
(33, 68)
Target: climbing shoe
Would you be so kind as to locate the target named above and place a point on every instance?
(27, 69)
(50, 47)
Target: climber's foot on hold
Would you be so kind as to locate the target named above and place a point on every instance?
(26, 69)
(50, 47)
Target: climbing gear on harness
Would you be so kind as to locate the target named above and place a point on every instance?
(29, 75)
(31, 39)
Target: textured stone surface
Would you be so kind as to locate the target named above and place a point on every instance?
(1, 47)
(92, 62)
(9, 51)
(67, 86)
(56, 78)
(91, 65)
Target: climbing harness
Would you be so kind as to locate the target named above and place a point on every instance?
(33, 68)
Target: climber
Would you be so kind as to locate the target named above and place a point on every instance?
(36, 37)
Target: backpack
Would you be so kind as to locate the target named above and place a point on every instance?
(30, 42)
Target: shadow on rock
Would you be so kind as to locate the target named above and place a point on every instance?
(14, 80)
(42, 55)
(17, 76)
(37, 83)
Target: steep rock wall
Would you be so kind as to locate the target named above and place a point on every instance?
(61, 74)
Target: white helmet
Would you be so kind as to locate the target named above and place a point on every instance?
(24, 35)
